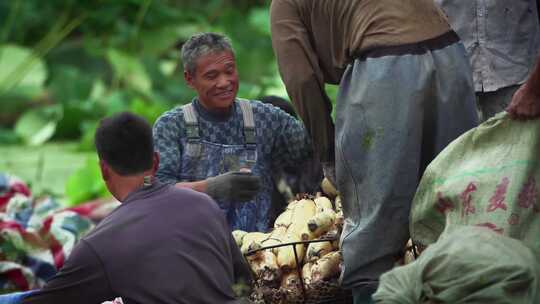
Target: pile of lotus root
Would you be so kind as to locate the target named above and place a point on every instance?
(278, 277)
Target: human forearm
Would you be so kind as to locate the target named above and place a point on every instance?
(303, 78)
(314, 109)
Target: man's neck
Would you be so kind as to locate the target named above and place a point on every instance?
(125, 185)
(217, 115)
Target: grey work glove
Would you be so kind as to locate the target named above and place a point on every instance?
(234, 186)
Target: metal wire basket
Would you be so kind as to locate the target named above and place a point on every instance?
(318, 293)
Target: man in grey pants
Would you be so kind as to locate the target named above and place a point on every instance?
(405, 92)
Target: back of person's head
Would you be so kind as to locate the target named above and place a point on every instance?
(124, 142)
(203, 44)
(279, 102)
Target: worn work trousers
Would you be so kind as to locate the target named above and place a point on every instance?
(394, 114)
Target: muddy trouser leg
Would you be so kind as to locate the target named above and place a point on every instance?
(491, 103)
(393, 115)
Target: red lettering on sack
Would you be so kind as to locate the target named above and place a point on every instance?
(466, 198)
(513, 219)
(444, 204)
(529, 194)
(497, 200)
(492, 227)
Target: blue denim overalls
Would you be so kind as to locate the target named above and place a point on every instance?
(202, 159)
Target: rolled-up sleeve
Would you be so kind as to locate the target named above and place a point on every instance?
(167, 134)
(302, 75)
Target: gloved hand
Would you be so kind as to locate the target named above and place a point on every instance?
(234, 186)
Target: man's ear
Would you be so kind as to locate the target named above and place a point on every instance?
(105, 170)
(189, 79)
(155, 163)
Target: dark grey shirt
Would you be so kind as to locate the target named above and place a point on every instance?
(502, 38)
(162, 245)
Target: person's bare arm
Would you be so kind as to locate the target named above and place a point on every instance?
(525, 103)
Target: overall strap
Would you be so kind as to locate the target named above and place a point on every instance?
(249, 122)
(250, 139)
(192, 130)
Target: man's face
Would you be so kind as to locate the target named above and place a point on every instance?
(215, 80)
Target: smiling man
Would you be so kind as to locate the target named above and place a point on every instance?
(222, 145)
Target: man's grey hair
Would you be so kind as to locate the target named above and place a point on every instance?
(200, 45)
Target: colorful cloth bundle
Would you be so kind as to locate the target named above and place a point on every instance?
(37, 235)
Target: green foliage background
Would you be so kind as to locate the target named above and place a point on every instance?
(64, 64)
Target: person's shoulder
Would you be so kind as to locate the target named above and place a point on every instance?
(169, 122)
(195, 198)
(260, 108)
(173, 115)
(84, 252)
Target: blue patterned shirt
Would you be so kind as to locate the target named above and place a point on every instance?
(281, 138)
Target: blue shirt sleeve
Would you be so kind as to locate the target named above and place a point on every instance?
(292, 144)
(167, 134)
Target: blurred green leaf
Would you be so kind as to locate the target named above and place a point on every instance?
(259, 18)
(156, 42)
(332, 91)
(69, 84)
(117, 101)
(8, 137)
(86, 142)
(98, 90)
(21, 73)
(69, 127)
(85, 183)
(129, 69)
(168, 67)
(36, 126)
(46, 167)
(150, 111)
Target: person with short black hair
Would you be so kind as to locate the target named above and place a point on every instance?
(123, 135)
(162, 245)
(225, 146)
